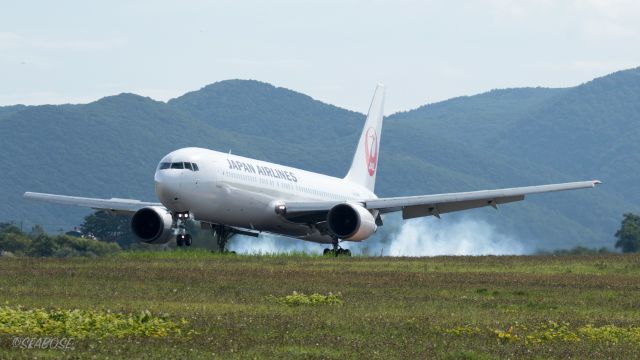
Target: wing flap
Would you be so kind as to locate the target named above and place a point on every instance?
(415, 211)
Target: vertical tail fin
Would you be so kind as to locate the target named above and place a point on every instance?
(365, 161)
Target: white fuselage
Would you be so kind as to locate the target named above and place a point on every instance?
(243, 192)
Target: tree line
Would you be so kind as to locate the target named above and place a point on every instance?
(37, 243)
(103, 233)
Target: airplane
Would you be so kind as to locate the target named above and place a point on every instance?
(231, 194)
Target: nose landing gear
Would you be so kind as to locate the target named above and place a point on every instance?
(182, 237)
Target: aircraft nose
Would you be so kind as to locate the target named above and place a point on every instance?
(167, 185)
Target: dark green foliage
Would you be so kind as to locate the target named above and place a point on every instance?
(578, 250)
(36, 231)
(501, 138)
(40, 244)
(64, 246)
(107, 227)
(581, 250)
(629, 234)
(12, 239)
(43, 246)
(9, 227)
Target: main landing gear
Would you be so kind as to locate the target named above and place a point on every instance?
(337, 250)
(222, 234)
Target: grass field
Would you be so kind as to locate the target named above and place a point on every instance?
(237, 306)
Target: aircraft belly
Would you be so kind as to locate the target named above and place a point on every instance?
(234, 207)
(229, 206)
(298, 231)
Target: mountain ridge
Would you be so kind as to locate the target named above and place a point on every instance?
(500, 138)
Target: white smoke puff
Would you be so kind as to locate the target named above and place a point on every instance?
(429, 237)
(269, 244)
(418, 237)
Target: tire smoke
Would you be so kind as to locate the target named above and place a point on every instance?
(417, 237)
(429, 237)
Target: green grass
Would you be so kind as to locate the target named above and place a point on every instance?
(442, 307)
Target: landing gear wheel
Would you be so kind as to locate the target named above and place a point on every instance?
(180, 240)
(345, 252)
(187, 240)
(337, 250)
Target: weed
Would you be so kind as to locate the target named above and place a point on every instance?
(297, 299)
(82, 324)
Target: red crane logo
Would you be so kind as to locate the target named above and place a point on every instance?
(371, 150)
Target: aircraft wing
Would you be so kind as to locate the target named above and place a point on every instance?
(121, 206)
(418, 206)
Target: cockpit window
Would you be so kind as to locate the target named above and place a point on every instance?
(179, 165)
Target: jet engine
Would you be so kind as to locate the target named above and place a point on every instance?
(152, 225)
(351, 222)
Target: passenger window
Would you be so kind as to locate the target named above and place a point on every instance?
(177, 165)
(165, 165)
(195, 167)
(187, 165)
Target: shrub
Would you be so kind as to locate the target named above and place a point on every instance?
(297, 299)
(82, 324)
(562, 332)
(42, 245)
(39, 243)
(65, 246)
(15, 242)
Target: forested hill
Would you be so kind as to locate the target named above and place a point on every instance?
(502, 138)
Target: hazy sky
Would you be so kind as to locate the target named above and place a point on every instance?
(335, 51)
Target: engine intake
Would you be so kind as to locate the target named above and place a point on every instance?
(152, 225)
(351, 222)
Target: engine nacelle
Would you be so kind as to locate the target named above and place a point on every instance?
(351, 222)
(152, 225)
